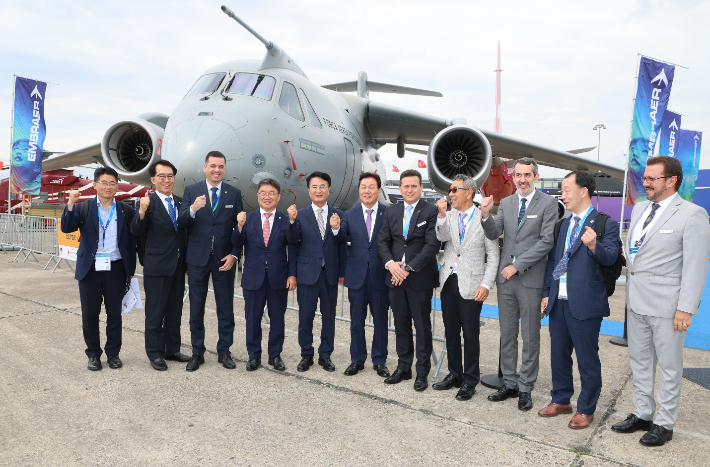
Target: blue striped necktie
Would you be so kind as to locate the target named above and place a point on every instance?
(561, 268)
(521, 214)
(171, 211)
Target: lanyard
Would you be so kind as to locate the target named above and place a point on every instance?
(104, 228)
(579, 228)
(216, 203)
(465, 225)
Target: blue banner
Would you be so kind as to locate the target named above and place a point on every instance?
(670, 128)
(652, 93)
(28, 133)
(688, 154)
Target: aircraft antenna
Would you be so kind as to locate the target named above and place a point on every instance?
(231, 14)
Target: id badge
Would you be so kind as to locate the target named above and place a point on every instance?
(103, 261)
(563, 288)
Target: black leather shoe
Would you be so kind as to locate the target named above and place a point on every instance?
(159, 364)
(254, 364)
(466, 392)
(94, 363)
(381, 370)
(277, 363)
(632, 424)
(447, 383)
(353, 369)
(502, 394)
(398, 376)
(420, 383)
(657, 436)
(326, 364)
(525, 401)
(226, 360)
(305, 363)
(195, 362)
(114, 362)
(179, 357)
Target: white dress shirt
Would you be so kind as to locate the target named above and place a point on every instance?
(638, 230)
(165, 203)
(324, 216)
(271, 219)
(405, 214)
(209, 197)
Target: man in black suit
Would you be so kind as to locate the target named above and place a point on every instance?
(164, 266)
(209, 212)
(407, 245)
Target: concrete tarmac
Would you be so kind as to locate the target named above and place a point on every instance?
(53, 411)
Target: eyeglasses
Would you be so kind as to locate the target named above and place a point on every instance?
(454, 189)
(264, 194)
(105, 184)
(162, 177)
(652, 179)
(319, 187)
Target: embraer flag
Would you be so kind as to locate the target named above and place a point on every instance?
(670, 129)
(652, 93)
(28, 132)
(421, 164)
(688, 153)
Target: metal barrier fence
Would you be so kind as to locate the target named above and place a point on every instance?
(31, 235)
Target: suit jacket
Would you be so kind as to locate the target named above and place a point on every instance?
(162, 242)
(469, 255)
(206, 226)
(531, 242)
(669, 270)
(257, 255)
(313, 249)
(419, 248)
(363, 250)
(89, 240)
(585, 288)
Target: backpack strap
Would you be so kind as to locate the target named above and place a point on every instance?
(599, 227)
(83, 213)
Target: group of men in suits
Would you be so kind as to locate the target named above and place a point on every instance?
(545, 267)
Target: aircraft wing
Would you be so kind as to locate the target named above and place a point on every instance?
(88, 155)
(387, 124)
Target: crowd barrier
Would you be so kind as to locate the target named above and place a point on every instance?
(31, 235)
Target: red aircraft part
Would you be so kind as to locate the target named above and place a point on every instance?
(499, 184)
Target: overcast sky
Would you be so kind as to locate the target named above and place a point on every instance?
(567, 65)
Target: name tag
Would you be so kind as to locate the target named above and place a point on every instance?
(563, 288)
(229, 206)
(534, 216)
(103, 262)
(665, 231)
(421, 224)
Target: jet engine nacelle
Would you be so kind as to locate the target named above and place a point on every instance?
(458, 149)
(130, 146)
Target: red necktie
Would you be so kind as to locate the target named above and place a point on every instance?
(265, 228)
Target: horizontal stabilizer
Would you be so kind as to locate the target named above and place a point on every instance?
(580, 151)
(373, 86)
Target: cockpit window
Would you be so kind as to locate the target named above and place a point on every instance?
(311, 113)
(289, 102)
(206, 84)
(250, 84)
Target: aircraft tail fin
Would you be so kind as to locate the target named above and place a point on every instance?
(363, 86)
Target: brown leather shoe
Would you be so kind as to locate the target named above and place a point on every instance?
(554, 410)
(580, 421)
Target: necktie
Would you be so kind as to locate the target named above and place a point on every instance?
(321, 227)
(561, 268)
(648, 220)
(265, 228)
(462, 225)
(214, 199)
(171, 211)
(407, 218)
(521, 214)
(368, 223)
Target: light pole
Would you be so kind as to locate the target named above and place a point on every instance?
(599, 128)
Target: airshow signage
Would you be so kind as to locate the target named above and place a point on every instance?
(670, 132)
(688, 153)
(28, 133)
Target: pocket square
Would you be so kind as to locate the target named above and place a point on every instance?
(229, 206)
(421, 224)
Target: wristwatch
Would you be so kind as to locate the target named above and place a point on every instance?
(408, 269)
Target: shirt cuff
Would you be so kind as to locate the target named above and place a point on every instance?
(486, 286)
(233, 256)
(440, 221)
(388, 262)
(192, 213)
(335, 232)
(290, 221)
(484, 220)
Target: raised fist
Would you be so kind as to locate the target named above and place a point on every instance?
(241, 219)
(145, 202)
(441, 204)
(486, 205)
(73, 198)
(200, 202)
(292, 212)
(335, 221)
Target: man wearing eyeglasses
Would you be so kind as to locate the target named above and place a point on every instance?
(163, 245)
(269, 272)
(320, 269)
(105, 263)
(209, 212)
(528, 219)
(667, 252)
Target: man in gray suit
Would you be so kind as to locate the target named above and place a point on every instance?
(528, 219)
(667, 252)
(465, 281)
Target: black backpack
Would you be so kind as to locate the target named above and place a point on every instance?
(610, 273)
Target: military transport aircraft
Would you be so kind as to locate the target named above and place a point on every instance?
(270, 120)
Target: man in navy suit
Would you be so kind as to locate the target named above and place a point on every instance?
(164, 267)
(269, 273)
(575, 296)
(209, 211)
(365, 275)
(105, 264)
(320, 268)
